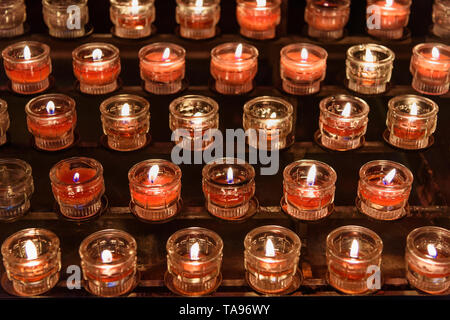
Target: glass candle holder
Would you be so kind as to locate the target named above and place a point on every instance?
(228, 186)
(233, 67)
(192, 118)
(66, 19)
(388, 17)
(108, 259)
(327, 19)
(78, 187)
(132, 19)
(4, 121)
(441, 18)
(302, 68)
(155, 187)
(308, 188)
(352, 254)
(430, 67)
(162, 67)
(271, 258)
(126, 121)
(16, 188)
(269, 123)
(51, 119)
(198, 18)
(369, 68)
(97, 67)
(258, 19)
(411, 121)
(28, 66)
(343, 122)
(32, 259)
(194, 259)
(383, 189)
(427, 259)
(12, 17)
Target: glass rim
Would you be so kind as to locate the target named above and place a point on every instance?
(254, 53)
(150, 162)
(26, 168)
(412, 249)
(417, 51)
(407, 183)
(146, 49)
(127, 4)
(231, 161)
(372, 46)
(287, 177)
(12, 3)
(434, 106)
(304, 45)
(71, 104)
(48, 3)
(93, 164)
(365, 106)
(44, 55)
(191, 3)
(124, 97)
(343, 4)
(250, 4)
(96, 45)
(287, 104)
(175, 103)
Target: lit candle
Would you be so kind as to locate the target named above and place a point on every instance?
(271, 258)
(441, 19)
(32, 260)
(4, 121)
(430, 67)
(427, 259)
(13, 17)
(62, 21)
(309, 188)
(302, 68)
(97, 67)
(383, 189)
(78, 186)
(194, 260)
(108, 260)
(327, 18)
(343, 122)
(162, 67)
(155, 187)
(126, 121)
(351, 253)
(369, 68)
(194, 116)
(234, 66)
(228, 186)
(258, 19)
(132, 18)
(269, 123)
(28, 66)
(51, 119)
(392, 15)
(16, 188)
(411, 121)
(198, 18)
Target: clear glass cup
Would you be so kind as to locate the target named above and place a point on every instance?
(327, 19)
(4, 121)
(66, 19)
(132, 19)
(12, 17)
(441, 18)
(258, 21)
(197, 18)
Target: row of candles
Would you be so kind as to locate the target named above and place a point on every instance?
(228, 186)
(258, 19)
(32, 259)
(233, 66)
(268, 121)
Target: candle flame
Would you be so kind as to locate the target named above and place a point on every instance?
(97, 54)
(389, 177)
(198, 4)
(435, 53)
(26, 53)
(238, 52)
(125, 110)
(50, 107)
(311, 179)
(347, 110)
(273, 115)
(76, 177)
(194, 251)
(134, 7)
(414, 110)
(270, 249)
(166, 54)
(261, 3)
(368, 56)
(107, 256)
(230, 176)
(389, 3)
(153, 173)
(30, 250)
(304, 54)
(432, 250)
(354, 250)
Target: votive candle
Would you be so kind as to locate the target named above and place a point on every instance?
(258, 19)
(66, 19)
(441, 19)
(12, 18)
(198, 18)
(4, 121)
(327, 19)
(387, 18)
(132, 19)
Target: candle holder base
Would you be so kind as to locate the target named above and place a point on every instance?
(3, 139)
(127, 33)
(162, 88)
(427, 285)
(338, 143)
(293, 285)
(118, 143)
(350, 287)
(104, 141)
(10, 214)
(360, 87)
(407, 144)
(229, 89)
(191, 290)
(378, 212)
(388, 34)
(59, 143)
(65, 33)
(113, 289)
(192, 144)
(198, 34)
(84, 213)
(441, 32)
(325, 34)
(283, 143)
(15, 288)
(301, 89)
(238, 214)
(306, 215)
(13, 32)
(259, 35)
(30, 88)
(156, 215)
(430, 88)
(98, 90)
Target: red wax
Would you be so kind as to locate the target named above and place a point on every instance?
(133, 21)
(126, 129)
(103, 277)
(311, 200)
(410, 130)
(309, 70)
(338, 268)
(253, 18)
(234, 74)
(227, 198)
(426, 68)
(158, 69)
(339, 129)
(157, 194)
(386, 198)
(392, 17)
(27, 72)
(91, 74)
(426, 274)
(52, 130)
(197, 22)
